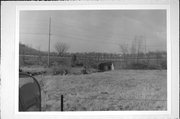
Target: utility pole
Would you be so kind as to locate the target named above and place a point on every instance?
(49, 42)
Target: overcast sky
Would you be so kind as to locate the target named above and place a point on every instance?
(94, 30)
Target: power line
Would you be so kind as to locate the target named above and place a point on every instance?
(80, 39)
(99, 41)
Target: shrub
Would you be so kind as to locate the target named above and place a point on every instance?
(61, 61)
(61, 69)
(164, 64)
(144, 65)
(90, 63)
(154, 66)
(139, 65)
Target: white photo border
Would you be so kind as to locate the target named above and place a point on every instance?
(88, 114)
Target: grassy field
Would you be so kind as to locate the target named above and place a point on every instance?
(112, 90)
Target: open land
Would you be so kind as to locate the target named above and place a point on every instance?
(102, 91)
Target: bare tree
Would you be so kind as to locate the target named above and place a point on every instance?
(61, 48)
(133, 47)
(139, 47)
(136, 48)
(124, 50)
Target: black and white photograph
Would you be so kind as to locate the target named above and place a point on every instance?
(89, 59)
(93, 60)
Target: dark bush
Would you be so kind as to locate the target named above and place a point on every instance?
(63, 61)
(145, 65)
(163, 64)
(139, 65)
(79, 64)
(61, 69)
(154, 66)
(90, 63)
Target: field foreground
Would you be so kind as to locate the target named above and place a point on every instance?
(113, 90)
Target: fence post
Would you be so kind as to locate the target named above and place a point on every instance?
(62, 103)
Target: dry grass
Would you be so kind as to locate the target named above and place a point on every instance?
(113, 90)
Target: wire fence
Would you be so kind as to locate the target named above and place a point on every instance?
(73, 99)
(114, 98)
(133, 99)
(119, 63)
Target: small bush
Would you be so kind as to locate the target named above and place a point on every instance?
(154, 66)
(80, 64)
(164, 64)
(139, 65)
(61, 61)
(61, 69)
(90, 63)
